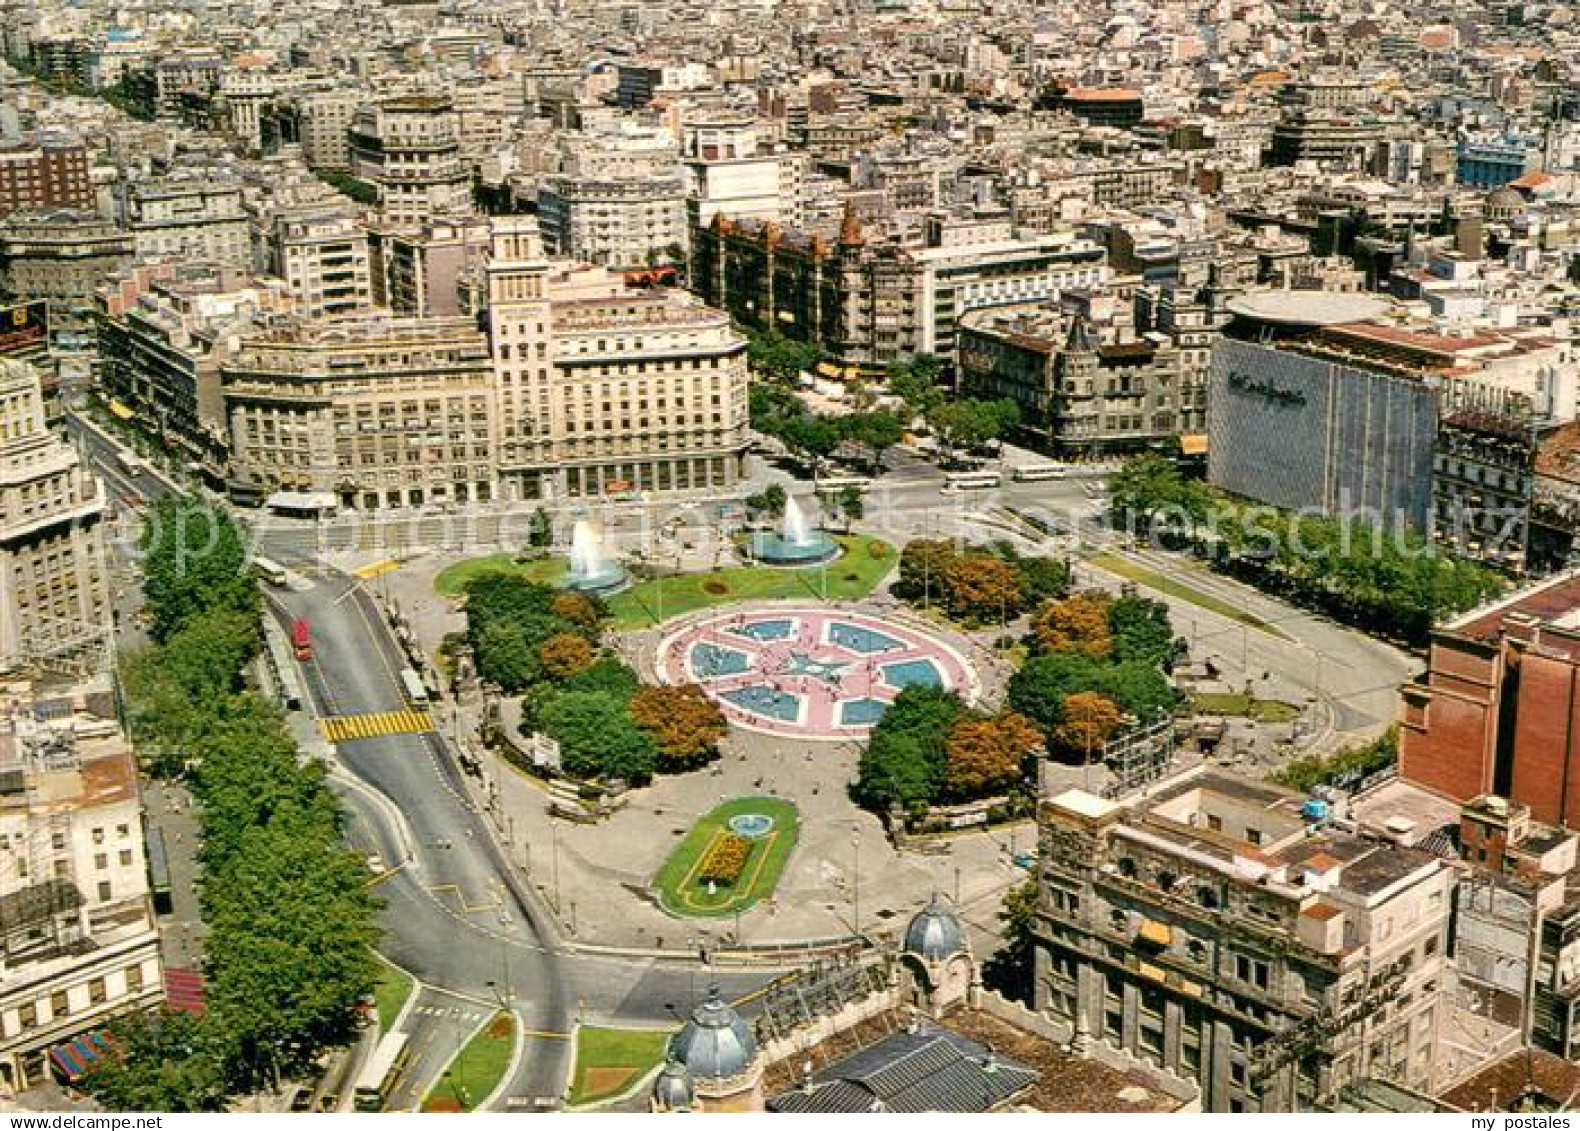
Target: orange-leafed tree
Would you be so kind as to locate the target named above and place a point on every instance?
(986, 755)
(685, 724)
(1090, 720)
(1076, 624)
(977, 587)
(565, 654)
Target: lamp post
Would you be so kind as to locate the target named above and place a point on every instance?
(855, 887)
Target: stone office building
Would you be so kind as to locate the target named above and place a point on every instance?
(1209, 928)
(378, 412)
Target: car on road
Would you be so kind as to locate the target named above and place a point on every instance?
(375, 863)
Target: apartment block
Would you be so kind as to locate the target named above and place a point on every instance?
(54, 604)
(46, 174)
(1222, 930)
(80, 946)
(604, 388)
(377, 412)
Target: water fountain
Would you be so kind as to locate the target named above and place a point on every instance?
(795, 543)
(591, 570)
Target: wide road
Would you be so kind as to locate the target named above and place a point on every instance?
(458, 915)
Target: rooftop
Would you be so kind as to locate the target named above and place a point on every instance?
(1307, 308)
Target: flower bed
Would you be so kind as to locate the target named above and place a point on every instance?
(726, 859)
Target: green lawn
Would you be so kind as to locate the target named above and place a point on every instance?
(1245, 706)
(851, 576)
(477, 1069)
(608, 1061)
(1171, 587)
(390, 994)
(683, 896)
(453, 580)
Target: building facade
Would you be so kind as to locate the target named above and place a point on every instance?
(1304, 432)
(605, 389)
(80, 945)
(1209, 928)
(188, 220)
(378, 412)
(47, 174)
(61, 258)
(409, 148)
(54, 603)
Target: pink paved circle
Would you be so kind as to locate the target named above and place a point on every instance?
(808, 673)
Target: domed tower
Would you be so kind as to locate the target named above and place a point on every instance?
(936, 959)
(673, 1091)
(718, 1053)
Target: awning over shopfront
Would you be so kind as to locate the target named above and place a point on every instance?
(81, 1055)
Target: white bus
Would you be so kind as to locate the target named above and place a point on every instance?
(1036, 472)
(378, 1076)
(416, 690)
(129, 462)
(972, 480)
(270, 570)
(834, 484)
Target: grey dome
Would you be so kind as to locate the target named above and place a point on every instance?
(935, 933)
(672, 1091)
(715, 1044)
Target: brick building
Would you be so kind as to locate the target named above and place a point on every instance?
(44, 174)
(1498, 710)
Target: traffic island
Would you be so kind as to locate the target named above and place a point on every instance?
(477, 1070)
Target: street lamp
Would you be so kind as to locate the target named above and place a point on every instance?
(855, 887)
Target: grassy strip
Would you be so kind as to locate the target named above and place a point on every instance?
(851, 576)
(453, 580)
(390, 994)
(1169, 587)
(684, 897)
(477, 1069)
(1246, 706)
(608, 1061)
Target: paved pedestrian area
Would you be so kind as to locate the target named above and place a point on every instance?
(811, 673)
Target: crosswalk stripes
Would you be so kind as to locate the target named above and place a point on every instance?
(349, 728)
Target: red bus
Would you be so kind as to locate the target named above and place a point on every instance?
(301, 640)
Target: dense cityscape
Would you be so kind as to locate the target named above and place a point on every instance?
(836, 556)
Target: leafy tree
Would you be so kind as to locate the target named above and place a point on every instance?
(916, 384)
(907, 753)
(194, 560)
(1141, 630)
(565, 655)
(875, 430)
(813, 438)
(979, 587)
(507, 655)
(966, 425)
(770, 501)
(598, 737)
(540, 530)
(1090, 720)
(922, 565)
(1010, 969)
(580, 609)
(1344, 768)
(781, 357)
(1038, 690)
(169, 1061)
(1137, 687)
(685, 724)
(986, 756)
(852, 504)
(1076, 624)
(607, 676)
